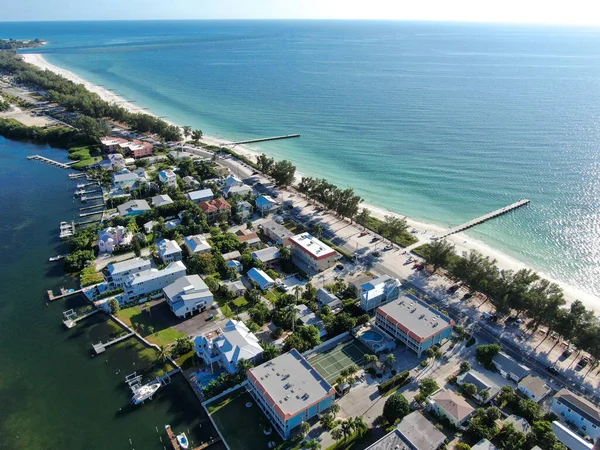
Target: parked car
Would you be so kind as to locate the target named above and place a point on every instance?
(568, 352)
(375, 239)
(552, 370)
(376, 254)
(340, 267)
(363, 233)
(388, 248)
(583, 362)
(467, 296)
(452, 289)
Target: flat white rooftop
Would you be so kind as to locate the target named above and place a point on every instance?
(312, 246)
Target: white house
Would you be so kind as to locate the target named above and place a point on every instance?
(202, 195)
(133, 208)
(509, 368)
(268, 255)
(161, 200)
(235, 286)
(244, 209)
(169, 251)
(151, 281)
(191, 182)
(308, 317)
(242, 191)
(167, 177)
(149, 226)
(534, 387)
(276, 232)
(570, 439)
(124, 179)
(112, 237)
(481, 384)
(188, 294)
(116, 274)
(379, 291)
(197, 244)
(228, 346)
(264, 281)
(452, 406)
(326, 298)
(578, 411)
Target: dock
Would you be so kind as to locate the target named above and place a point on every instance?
(85, 208)
(63, 293)
(66, 229)
(273, 138)
(482, 219)
(75, 176)
(57, 258)
(96, 197)
(101, 347)
(71, 317)
(176, 445)
(90, 213)
(49, 161)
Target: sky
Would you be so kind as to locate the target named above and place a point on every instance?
(573, 12)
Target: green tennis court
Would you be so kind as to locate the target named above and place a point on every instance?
(332, 362)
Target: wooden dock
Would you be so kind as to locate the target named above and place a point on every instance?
(90, 213)
(176, 445)
(75, 176)
(101, 347)
(96, 197)
(482, 219)
(273, 138)
(71, 322)
(49, 161)
(63, 293)
(85, 208)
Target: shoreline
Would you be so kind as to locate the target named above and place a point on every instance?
(461, 241)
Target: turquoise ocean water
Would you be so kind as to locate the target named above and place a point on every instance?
(442, 122)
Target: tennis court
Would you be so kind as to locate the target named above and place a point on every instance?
(332, 362)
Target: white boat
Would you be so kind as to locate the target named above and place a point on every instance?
(182, 441)
(144, 393)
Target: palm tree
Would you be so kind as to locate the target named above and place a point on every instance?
(297, 290)
(285, 253)
(390, 361)
(244, 365)
(312, 444)
(360, 426)
(187, 131)
(371, 360)
(318, 230)
(163, 353)
(347, 427)
(337, 434)
(304, 428)
(335, 408)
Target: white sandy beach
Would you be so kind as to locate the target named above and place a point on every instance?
(462, 242)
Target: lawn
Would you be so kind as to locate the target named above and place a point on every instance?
(84, 156)
(241, 426)
(231, 308)
(142, 321)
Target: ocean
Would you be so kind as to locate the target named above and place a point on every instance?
(442, 122)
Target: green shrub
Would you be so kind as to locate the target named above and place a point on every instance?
(398, 380)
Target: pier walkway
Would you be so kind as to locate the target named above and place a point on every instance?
(70, 321)
(482, 219)
(90, 214)
(100, 347)
(273, 138)
(74, 176)
(176, 445)
(49, 161)
(101, 205)
(63, 293)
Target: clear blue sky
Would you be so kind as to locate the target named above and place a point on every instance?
(584, 12)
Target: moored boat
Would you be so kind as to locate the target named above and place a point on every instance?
(144, 393)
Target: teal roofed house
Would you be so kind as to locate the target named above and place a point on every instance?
(264, 204)
(264, 281)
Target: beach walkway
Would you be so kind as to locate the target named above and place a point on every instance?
(482, 219)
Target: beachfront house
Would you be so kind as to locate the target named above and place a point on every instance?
(580, 412)
(152, 281)
(311, 255)
(168, 177)
(414, 432)
(215, 209)
(112, 237)
(197, 244)
(161, 200)
(187, 295)
(276, 232)
(264, 281)
(169, 251)
(414, 323)
(264, 204)
(268, 256)
(379, 291)
(226, 347)
(232, 181)
(201, 195)
(510, 368)
(244, 210)
(240, 191)
(133, 208)
(448, 404)
(116, 274)
(289, 391)
(534, 387)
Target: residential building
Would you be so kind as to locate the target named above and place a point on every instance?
(235, 265)
(484, 444)
(414, 432)
(112, 237)
(151, 281)
(264, 204)
(578, 411)
(161, 200)
(232, 181)
(264, 281)
(168, 177)
(169, 251)
(448, 404)
(569, 438)
(125, 179)
(235, 286)
(149, 226)
(276, 232)
(228, 346)
(414, 323)
(172, 224)
(249, 237)
(357, 282)
(197, 244)
(244, 209)
(191, 182)
(519, 423)
(289, 391)
(111, 144)
(311, 255)
(133, 208)
(534, 387)
(116, 274)
(481, 385)
(509, 368)
(139, 149)
(202, 195)
(242, 191)
(378, 291)
(116, 161)
(232, 255)
(187, 295)
(326, 298)
(308, 317)
(269, 256)
(141, 172)
(215, 208)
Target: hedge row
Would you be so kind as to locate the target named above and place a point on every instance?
(398, 380)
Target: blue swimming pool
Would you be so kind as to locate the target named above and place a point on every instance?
(372, 335)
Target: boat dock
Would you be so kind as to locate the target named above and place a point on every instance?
(74, 176)
(57, 258)
(166, 378)
(49, 161)
(71, 318)
(101, 347)
(176, 445)
(63, 293)
(482, 219)
(85, 208)
(96, 197)
(66, 229)
(274, 138)
(90, 213)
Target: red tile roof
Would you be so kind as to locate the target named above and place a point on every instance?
(217, 204)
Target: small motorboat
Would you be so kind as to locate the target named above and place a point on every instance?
(183, 440)
(144, 393)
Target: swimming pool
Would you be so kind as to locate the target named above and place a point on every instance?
(372, 335)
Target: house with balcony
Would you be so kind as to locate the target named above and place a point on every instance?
(112, 237)
(187, 295)
(151, 281)
(264, 204)
(133, 208)
(276, 232)
(312, 255)
(577, 411)
(168, 177)
(125, 180)
(214, 209)
(289, 391)
(448, 404)
(116, 274)
(202, 195)
(197, 244)
(169, 251)
(379, 291)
